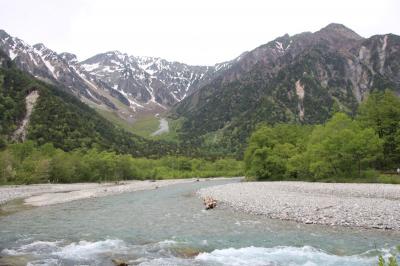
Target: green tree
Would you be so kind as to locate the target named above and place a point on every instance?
(7, 171)
(381, 111)
(62, 168)
(342, 149)
(22, 150)
(271, 148)
(3, 143)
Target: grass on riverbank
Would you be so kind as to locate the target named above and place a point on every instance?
(387, 179)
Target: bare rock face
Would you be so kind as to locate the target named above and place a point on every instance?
(111, 80)
(331, 67)
(30, 102)
(147, 79)
(300, 94)
(338, 36)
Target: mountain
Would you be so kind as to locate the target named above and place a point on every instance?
(301, 78)
(113, 81)
(35, 110)
(58, 69)
(147, 79)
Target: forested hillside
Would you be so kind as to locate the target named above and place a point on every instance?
(327, 102)
(67, 141)
(61, 119)
(301, 79)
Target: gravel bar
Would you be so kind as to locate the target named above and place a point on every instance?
(49, 194)
(335, 204)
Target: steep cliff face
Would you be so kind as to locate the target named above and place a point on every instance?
(296, 78)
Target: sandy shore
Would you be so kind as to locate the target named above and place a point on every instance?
(354, 205)
(49, 194)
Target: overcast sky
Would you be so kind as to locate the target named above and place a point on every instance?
(201, 32)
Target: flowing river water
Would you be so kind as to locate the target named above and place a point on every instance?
(169, 226)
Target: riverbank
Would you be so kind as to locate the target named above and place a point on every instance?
(353, 205)
(98, 230)
(49, 194)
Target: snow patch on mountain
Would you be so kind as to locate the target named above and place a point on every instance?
(12, 54)
(90, 67)
(146, 82)
(147, 79)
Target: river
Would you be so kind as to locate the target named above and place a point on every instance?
(169, 226)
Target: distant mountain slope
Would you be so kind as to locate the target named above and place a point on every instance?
(60, 118)
(113, 81)
(300, 78)
(60, 69)
(147, 79)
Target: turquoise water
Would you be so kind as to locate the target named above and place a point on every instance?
(169, 226)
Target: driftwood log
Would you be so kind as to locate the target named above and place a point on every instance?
(210, 203)
(119, 262)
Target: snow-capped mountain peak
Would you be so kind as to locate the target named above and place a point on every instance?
(147, 79)
(114, 79)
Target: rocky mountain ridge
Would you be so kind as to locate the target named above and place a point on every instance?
(113, 80)
(301, 78)
(147, 79)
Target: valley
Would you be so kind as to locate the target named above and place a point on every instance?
(297, 86)
(335, 67)
(106, 161)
